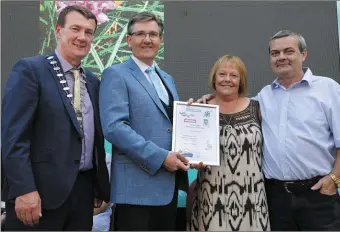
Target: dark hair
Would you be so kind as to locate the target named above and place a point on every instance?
(285, 33)
(144, 17)
(80, 9)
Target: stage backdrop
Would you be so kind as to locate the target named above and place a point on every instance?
(109, 45)
(338, 7)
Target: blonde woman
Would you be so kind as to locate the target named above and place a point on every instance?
(232, 197)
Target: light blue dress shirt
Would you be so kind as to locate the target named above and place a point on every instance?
(301, 127)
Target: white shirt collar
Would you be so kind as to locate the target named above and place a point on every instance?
(307, 77)
(143, 67)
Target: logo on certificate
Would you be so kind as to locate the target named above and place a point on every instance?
(206, 116)
(207, 113)
(206, 122)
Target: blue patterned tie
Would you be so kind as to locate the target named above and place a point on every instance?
(156, 81)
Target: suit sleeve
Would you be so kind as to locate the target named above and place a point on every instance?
(18, 107)
(102, 183)
(115, 119)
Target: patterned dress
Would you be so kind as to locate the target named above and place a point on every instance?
(232, 197)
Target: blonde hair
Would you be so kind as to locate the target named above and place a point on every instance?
(243, 89)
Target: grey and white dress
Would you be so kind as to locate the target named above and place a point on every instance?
(232, 197)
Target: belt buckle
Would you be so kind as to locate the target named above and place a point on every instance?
(286, 187)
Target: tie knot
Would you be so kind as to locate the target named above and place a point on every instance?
(75, 70)
(150, 69)
(76, 73)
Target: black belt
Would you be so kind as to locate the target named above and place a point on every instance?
(294, 186)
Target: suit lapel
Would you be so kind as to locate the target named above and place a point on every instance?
(91, 89)
(167, 81)
(64, 98)
(139, 75)
(92, 93)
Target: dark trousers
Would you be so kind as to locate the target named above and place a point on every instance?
(181, 220)
(76, 213)
(295, 207)
(142, 218)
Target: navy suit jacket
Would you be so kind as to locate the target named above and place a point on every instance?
(41, 139)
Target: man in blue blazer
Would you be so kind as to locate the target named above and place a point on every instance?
(52, 142)
(136, 105)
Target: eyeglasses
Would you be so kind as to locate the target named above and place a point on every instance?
(142, 34)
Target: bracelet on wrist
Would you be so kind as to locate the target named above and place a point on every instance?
(335, 179)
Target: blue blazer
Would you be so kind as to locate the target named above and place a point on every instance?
(136, 123)
(41, 139)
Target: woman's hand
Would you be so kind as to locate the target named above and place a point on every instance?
(199, 166)
(205, 98)
(190, 101)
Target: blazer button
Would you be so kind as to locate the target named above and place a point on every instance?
(169, 130)
(76, 161)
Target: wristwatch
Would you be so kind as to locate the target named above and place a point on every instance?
(335, 179)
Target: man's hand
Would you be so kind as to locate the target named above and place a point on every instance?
(205, 98)
(2, 219)
(101, 209)
(326, 186)
(175, 161)
(28, 208)
(97, 203)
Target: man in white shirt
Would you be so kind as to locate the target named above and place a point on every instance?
(301, 130)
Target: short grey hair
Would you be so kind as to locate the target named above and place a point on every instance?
(285, 33)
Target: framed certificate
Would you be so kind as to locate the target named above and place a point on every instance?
(196, 132)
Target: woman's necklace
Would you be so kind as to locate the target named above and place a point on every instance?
(228, 126)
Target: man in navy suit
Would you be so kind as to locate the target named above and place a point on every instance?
(52, 143)
(136, 107)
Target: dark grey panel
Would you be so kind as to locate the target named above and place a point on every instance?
(19, 33)
(198, 33)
